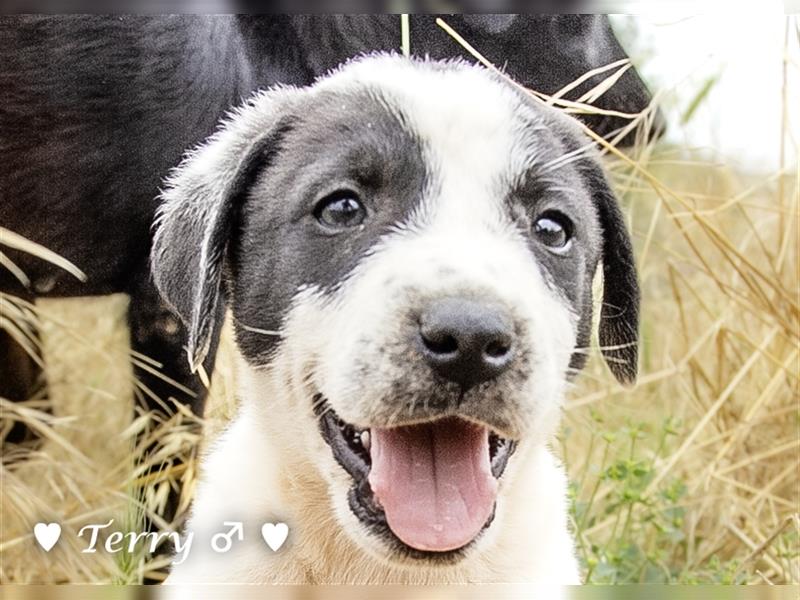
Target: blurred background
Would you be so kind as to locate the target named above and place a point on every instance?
(690, 477)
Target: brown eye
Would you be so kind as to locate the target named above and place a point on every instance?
(340, 210)
(554, 230)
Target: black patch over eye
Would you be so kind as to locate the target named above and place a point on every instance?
(340, 210)
(553, 229)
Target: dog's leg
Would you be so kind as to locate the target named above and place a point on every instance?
(163, 377)
(158, 334)
(20, 379)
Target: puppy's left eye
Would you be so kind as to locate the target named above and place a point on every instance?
(554, 230)
(340, 210)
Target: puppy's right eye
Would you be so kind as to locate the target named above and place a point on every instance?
(554, 230)
(340, 210)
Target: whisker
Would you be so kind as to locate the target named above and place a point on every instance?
(588, 349)
(613, 359)
(269, 332)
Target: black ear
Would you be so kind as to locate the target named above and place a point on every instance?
(619, 316)
(200, 209)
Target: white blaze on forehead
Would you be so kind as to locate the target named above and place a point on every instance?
(469, 123)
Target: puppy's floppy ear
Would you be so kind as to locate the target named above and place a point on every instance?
(619, 316)
(201, 206)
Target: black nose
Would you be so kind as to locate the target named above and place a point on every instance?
(466, 341)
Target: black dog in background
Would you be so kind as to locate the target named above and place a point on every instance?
(97, 109)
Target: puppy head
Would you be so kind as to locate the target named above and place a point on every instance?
(422, 238)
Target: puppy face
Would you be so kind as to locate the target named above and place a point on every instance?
(422, 239)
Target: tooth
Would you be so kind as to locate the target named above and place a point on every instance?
(365, 441)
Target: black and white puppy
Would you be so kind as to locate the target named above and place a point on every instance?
(98, 108)
(407, 248)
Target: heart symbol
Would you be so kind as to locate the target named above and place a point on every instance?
(274, 534)
(47, 534)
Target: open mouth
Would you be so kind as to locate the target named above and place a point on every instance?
(429, 487)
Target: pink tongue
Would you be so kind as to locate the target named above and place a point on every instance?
(434, 482)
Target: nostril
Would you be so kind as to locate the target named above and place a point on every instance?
(497, 349)
(466, 341)
(440, 344)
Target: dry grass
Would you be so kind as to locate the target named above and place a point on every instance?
(693, 476)
(690, 477)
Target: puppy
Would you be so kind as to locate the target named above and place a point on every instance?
(106, 105)
(407, 248)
